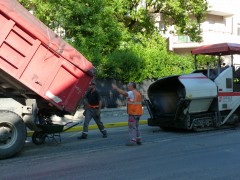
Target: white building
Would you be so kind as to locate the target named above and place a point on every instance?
(222, 24)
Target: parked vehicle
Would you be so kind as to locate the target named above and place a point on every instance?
(204, 99)
(40, 75)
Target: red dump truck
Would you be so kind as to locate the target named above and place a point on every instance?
(40, 75)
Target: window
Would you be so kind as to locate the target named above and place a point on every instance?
(238, 29)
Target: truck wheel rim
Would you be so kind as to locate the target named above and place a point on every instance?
(8, 135)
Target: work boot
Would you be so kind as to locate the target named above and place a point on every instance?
(104, 132)
(139, 141)
(83, 136)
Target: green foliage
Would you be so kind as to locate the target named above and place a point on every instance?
(90, 25)
(177, 12)
(119, 36)
(202, 61)
(144, 58)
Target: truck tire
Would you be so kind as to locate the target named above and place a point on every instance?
(13, 134)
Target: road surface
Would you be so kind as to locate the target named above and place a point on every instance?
(163, 155)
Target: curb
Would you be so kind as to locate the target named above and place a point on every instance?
(91, 127)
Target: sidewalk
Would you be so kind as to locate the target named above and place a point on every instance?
(111, 117)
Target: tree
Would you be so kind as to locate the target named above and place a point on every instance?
(90, 25)
(113, 34)
(106, 22)
(185, 14)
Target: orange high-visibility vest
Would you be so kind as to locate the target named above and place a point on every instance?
(135, 107)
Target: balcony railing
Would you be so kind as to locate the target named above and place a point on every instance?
(208, 37)
(181, 39)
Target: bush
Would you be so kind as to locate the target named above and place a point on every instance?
(144, 58)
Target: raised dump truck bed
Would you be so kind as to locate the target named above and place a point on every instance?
(40, 75)
(37, 60)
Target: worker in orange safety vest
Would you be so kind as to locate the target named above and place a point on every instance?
(134, 110)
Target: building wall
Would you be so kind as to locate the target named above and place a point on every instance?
(222, 24)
